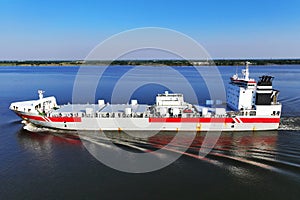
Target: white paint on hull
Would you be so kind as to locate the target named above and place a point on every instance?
(142, 124)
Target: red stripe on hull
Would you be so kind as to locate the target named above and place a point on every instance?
(51, 119)
(260, 120)
(37, 118)
(65, 119)
(191, 120)
(213, 120)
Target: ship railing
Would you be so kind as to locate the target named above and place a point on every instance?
(241, 113)
(116, 115)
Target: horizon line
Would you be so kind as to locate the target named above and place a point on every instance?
(158, 59)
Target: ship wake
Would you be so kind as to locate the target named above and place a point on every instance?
(290, 123)
(236, 150)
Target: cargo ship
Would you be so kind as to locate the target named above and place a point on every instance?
(251, 106)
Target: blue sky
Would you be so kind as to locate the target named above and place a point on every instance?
(60, 29)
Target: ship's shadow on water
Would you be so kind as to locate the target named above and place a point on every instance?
(267, 150)
(33, 141)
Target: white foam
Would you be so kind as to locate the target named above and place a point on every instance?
(33, 128)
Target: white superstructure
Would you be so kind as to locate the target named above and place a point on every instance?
(42, 105)
(241, 92)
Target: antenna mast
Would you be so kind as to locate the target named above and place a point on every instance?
(246, 72)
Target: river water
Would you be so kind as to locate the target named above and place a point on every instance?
(37, 163)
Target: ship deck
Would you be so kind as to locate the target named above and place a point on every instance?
(106, 108)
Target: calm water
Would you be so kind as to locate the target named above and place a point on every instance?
(244, 165)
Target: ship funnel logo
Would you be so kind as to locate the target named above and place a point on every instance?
(143, 43)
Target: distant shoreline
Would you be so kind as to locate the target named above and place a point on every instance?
(218, 62)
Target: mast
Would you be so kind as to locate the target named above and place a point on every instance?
(246, 71)
(41, 92)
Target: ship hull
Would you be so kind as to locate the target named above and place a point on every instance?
(154, 124)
